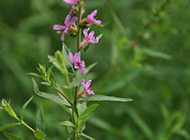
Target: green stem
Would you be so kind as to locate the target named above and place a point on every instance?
(79, 29)
(74, 107)
(69, 85)
(28, 126)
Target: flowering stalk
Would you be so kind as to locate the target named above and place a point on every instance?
(68, 64)
(74, 109)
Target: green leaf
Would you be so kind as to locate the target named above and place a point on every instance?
(157, 54)
(141, 124)
(39, 134)
(4, 102)
(45, 83)
(100, 98)
(90, 67)
(8, 126)
(55, 62)
(49, 72)
(100, 36)
(40, 124)
(34, 74)
(67, 123)
(67, 109)
(24, 107)
(84, 118)
(86, 136)
(51, 97)
(89, 110)
(7, 107)
(183, 133)
(11, 136)
(65, 55)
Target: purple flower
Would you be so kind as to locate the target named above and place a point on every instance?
(72, 2)
(76, 60)
(68, 22)
(91, 18)
(89, 38)
(87, 88)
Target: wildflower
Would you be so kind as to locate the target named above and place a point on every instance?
(68, 22)
(87, 88)
(76, 60)
(89, 38)
(91, 18)
(72, 2)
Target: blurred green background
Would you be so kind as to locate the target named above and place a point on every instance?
(144, 55)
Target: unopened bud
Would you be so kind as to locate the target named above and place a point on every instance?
(8, 109)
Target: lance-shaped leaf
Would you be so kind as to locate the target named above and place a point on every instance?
(24, 107)
(100, 98)
(58, 61)
(67, 123)
(51, 97)
(39, 134)
(34, 74)
(40, 123)
(86, 136)
(8, 126)
(65, 55)
(157, 54)
(89, 110)
(11, 136)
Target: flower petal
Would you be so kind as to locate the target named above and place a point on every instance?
(77, 57)
(85, 32)
(83, 83)
(59, 27)
(94, 13)
(71, 57)
(91, 35)
(88, 83)
(63, 35)
(73, 2)
(68, 18)
(73, 20)
(83, 70)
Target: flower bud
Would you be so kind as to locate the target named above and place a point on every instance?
(8, 109)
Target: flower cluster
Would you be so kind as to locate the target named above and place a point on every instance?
(76, 60)
(70, 27)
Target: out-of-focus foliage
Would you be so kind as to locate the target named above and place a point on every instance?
(144, 55)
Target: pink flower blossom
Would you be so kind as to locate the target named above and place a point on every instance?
(68, 22)
(72, 2)
(87, 88)
(91, 18)
(89, 38)
(76, 60)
